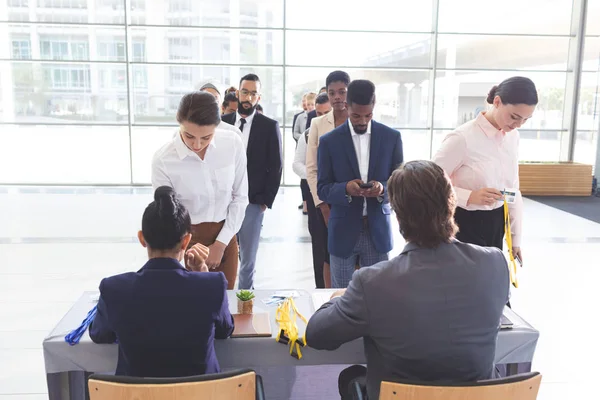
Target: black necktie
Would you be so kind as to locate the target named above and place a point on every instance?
(242, 123)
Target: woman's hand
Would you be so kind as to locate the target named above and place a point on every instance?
(484, 197)
(517, 255)
(216, 254)
(196, 257)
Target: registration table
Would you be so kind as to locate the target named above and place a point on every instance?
(67, 366)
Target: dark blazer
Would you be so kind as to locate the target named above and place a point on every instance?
(312, 114)
(295, 118)
(426, 315)
(265, 163)
(337, 165)
(165, 319)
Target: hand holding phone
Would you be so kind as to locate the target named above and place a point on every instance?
(518, 258)
(367, 185)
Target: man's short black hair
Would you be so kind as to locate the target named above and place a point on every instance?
(229, 97)
(323, 98)
(250, 77)
(259, 108)
(361, 92)
(337, 76)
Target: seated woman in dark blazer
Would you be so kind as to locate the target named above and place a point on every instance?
(164, 317)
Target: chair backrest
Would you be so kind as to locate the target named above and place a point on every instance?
(239, 384)
(517, 387)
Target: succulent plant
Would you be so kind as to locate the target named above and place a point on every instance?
(245, 295)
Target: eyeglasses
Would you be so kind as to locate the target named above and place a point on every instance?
(247, 93)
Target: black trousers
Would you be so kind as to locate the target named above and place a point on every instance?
(347, 379)
(483, 228)
(304, 189)
(318, 238)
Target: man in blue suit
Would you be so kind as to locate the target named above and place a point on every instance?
(355, 160)
(164, 317)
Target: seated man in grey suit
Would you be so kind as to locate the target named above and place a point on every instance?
(430, 314)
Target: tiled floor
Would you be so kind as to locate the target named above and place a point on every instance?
(56, 243)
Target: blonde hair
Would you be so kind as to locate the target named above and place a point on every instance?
(311, 96)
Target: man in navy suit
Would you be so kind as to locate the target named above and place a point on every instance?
(262, 139)
(165, 317)
(355, 160)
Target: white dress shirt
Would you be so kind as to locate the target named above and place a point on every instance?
(299, 164)
(247, 126)
(477, 155)
(362, 145)
(213, 189)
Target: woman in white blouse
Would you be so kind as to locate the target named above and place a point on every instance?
(481, 158)
(206, 167)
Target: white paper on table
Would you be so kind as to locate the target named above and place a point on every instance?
(321, 297)
(286, 293)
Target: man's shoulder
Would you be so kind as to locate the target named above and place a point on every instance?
(384, 129)
(336, 132)
(263, 119)
(378, 273)
(228, 118)
(478, 251)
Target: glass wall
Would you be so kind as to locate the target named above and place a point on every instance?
(89, 88)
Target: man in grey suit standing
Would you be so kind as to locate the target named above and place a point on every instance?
(430, 314)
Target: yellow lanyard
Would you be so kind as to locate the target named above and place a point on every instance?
(286, 316)
(512, 265)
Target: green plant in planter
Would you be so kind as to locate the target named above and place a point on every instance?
(245, 295)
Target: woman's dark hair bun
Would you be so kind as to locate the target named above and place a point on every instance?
(164, 197)
(492, 94)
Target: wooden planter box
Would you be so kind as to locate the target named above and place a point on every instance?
(555, 179)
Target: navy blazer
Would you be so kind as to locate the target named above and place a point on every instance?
(337, 165)
(309, 117)
(165, 319)
(265, 163)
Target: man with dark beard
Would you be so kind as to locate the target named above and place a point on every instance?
(355, 161)
(262, 139)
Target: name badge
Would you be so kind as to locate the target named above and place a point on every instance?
(510, 195)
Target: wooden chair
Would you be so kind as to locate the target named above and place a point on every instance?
(243, 384)
(516, 387)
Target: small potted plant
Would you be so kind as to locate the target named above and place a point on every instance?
(245, 301)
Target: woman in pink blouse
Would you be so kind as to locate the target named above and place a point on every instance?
(481, 158)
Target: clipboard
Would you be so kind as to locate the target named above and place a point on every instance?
(252, 325)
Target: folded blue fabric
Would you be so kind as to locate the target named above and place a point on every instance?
(75, 335)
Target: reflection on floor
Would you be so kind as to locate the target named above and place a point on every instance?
(57, 242)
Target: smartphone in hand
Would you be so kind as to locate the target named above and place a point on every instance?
(368, 185)
(519, 260)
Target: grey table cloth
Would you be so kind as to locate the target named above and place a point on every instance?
(514, 346)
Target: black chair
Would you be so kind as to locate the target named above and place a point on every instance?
(516, 387)
(241, 384)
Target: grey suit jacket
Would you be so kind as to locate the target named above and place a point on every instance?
(426, 315)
